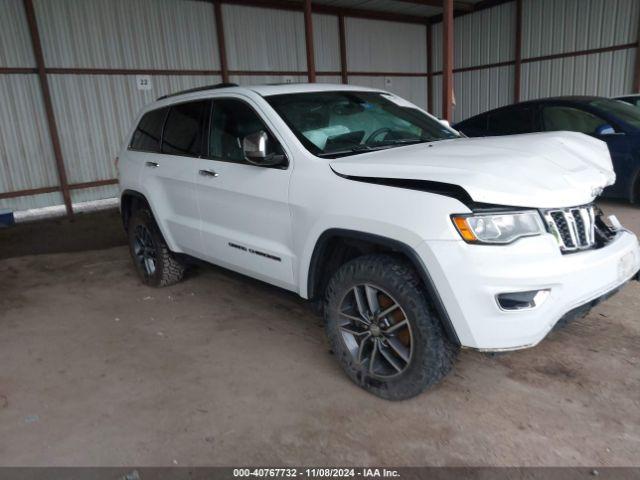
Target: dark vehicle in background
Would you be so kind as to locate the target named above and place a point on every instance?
(630, 99)
(613, 121)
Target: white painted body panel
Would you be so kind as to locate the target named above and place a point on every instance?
(470, 276)
(541, 170)
(172, 185)
(248, 207)
(283, 213)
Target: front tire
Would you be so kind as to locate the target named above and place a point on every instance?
(382, 329)
(157, 266)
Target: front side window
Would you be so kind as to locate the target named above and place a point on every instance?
(557, 118)
(147, 136)
(635, 101)
(333, 124)
(231, 121)
(183, 130)
(621, 110)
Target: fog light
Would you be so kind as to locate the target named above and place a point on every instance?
(522, 300)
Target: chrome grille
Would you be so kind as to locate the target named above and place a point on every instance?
(574, 228)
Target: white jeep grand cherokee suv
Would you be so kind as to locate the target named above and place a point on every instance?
(414, 241)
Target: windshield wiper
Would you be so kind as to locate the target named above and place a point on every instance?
(403, 141)
(381, 146)
(355, 150)
(351, 151)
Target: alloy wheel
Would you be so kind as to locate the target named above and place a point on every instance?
(376, 331)
(145, 250)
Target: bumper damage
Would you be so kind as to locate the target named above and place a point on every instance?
(470, 279)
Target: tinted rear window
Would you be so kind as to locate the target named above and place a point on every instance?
(183, 131)
(473, 126)
(512, 121)
(149, 131)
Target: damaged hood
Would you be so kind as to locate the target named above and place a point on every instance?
(539, 170)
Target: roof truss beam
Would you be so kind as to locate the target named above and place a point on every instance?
(457, 6)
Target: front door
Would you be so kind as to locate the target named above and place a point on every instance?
(244, 208)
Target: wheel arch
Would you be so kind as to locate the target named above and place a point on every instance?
(323, 250)
(129, 201)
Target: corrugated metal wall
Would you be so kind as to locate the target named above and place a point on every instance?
(15, 44)
(380, 46)
(93, 110)
(264, 39)
(326, 40)
(482, 38)
(374, 45)
(560, 26)
(604, 74)
(552, 27)
(26, 154)
(480, 90)
(152, 34)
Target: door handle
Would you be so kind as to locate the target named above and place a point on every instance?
(208, 173)
(152, 164)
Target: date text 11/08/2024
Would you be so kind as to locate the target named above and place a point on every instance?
(315, 473)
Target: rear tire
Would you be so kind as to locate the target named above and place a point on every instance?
(157, 266)
(383, 330)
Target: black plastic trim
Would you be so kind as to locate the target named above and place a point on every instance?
(439, 188)
(131, 193)
(394, 245)
(199, 89)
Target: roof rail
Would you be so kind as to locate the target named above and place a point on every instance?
(199, 89)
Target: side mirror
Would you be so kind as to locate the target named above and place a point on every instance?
(605, 130)
(255, 147)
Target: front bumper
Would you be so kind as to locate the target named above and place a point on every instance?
(469, 277)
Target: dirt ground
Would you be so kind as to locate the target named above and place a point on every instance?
(96, 369)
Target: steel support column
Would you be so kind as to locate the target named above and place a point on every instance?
(429, 68)
(447, 60)
(308, 30)
(222, 48)
(518, 64)
(343, 49)
(48, 105)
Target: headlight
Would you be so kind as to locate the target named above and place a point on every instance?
(499, 228)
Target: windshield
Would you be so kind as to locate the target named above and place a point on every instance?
(334, 124)
(621, 110)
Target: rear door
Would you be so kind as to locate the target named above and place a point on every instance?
(169, 177)
(244, 208)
